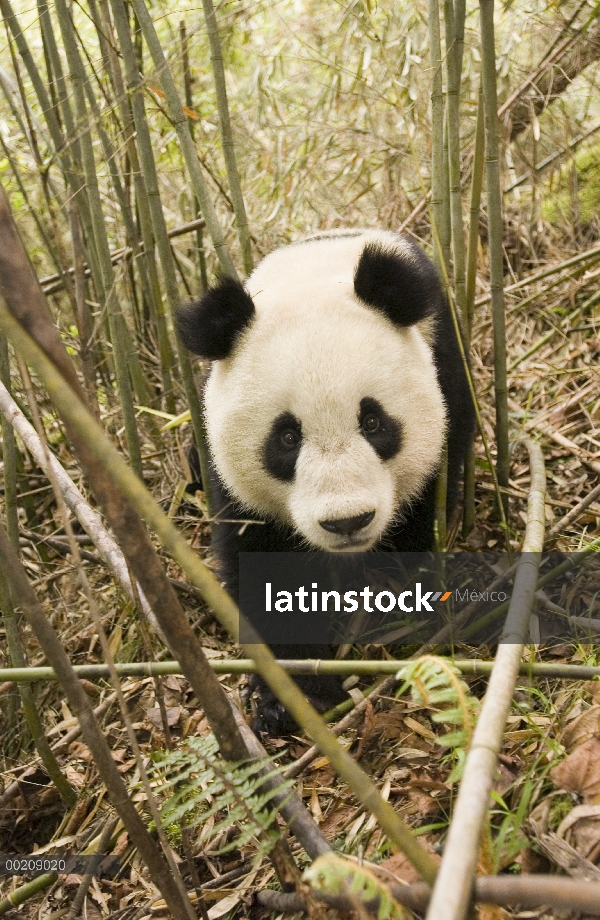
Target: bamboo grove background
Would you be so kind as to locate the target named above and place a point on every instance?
(145, 149)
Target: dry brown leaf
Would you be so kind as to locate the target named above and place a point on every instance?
(398, 868)
(582, 728)
(580, 772)
(581, 828)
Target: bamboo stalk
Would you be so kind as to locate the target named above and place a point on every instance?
(471, 284)
(67, 155)
(453, 80)
(9, 454)
(437, 136)
(115, 317)
(11, 510)
(189, 101)
(85, 326)
(494, 197)
(237, 198)
(84, 430)
(159, 229)
(180, 123)
(469, 666)
(453, 888)
(30, 711)
(441, 501)
(152, 294)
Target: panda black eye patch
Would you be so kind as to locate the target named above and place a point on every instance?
(383, 432)
(282, 447)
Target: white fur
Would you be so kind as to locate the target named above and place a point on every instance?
(315, 350)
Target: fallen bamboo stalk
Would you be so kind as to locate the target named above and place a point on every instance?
(454, 883)
(526, 891)
(469, 666)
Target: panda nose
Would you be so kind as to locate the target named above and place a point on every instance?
(350, 525)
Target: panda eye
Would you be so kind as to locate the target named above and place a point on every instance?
(370, 423)
(289, 438)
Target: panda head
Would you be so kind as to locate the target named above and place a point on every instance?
(323, 408)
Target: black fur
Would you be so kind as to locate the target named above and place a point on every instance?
(210, 326)
(386, 440)
(406, 292)
(279, 457)
(403, 289)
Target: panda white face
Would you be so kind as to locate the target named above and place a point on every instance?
(325, 414)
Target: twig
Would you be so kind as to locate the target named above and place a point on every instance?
(574, 513)
(453, 887)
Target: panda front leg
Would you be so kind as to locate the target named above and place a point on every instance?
(232, 535)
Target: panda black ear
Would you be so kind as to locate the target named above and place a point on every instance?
(405, 287)
(210, 326)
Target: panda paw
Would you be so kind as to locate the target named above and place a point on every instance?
(272, 719)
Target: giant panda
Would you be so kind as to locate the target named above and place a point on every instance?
(336, 379)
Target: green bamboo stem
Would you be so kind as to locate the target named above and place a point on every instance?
(115, 317)
(494, 197)
(67, 155)
(189, 101)
(9, 455)
(437, 134)
(453, 79)
(11, 512)
(134, 244)
(85, 325)
(474, 211)
(471, 286)
(146, 259)
(27, 891)
(235, 187)
(188, 150)
(159, 227)
(469, 666)
(30, 711)
(90, 433)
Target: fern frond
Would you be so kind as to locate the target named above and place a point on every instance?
(436, 683)
(199, 785)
